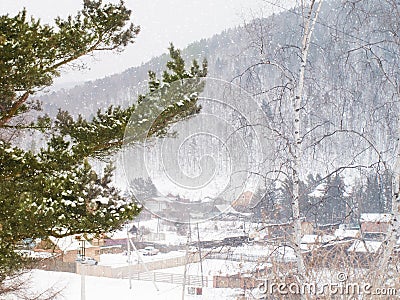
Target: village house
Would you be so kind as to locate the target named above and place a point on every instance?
(70, 247)
(374, 225)
(243, 201)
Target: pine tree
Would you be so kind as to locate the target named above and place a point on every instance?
(54, 191)
(376, 193)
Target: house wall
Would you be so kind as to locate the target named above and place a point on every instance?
(93, 252)
(374, 227)
(97, 242)
(238, 280)
(307, 228)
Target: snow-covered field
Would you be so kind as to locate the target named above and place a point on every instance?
(119, 260)
(212, 267)
(100, 288)
(108, 288)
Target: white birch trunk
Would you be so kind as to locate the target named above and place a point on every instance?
(391, 236)
(309, 25)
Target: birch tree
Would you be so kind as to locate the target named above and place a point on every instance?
(295, 86)
(320, 99)
(309, 18)
(379, 44)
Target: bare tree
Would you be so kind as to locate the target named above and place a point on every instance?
(324, 102)
(19, 285)
(380, 20)
(294, 83)
(310, 16)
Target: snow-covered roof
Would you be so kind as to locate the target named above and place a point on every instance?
(319, 191)
(326, 238)
(362, 246)
(345, 233)
(34, 254)
(375, 217)
(69, 243)
(309, 239)
(285, 253)
(227, 209)
(208, 200)
(161, 199)
(313, 238)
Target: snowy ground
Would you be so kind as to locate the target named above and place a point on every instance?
(99, 288)
(212, 267)
(107, 288)
(210, 230)
(119, 260)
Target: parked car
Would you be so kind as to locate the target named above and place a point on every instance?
(193, 249)
(149, 250)
(86, 260)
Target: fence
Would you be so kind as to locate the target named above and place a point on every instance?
(237, 257)
(170, 278)
(234, 282)
(56, 265)
(122, 272)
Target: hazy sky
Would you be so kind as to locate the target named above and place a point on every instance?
(161, 21)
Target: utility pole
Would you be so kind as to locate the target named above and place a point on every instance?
(129, 256)
(83, 282)
(141, 260)
(186, 261)
(83, 270)
(201, 260)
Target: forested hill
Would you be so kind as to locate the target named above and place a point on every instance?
(352, 51)
(221, 51)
